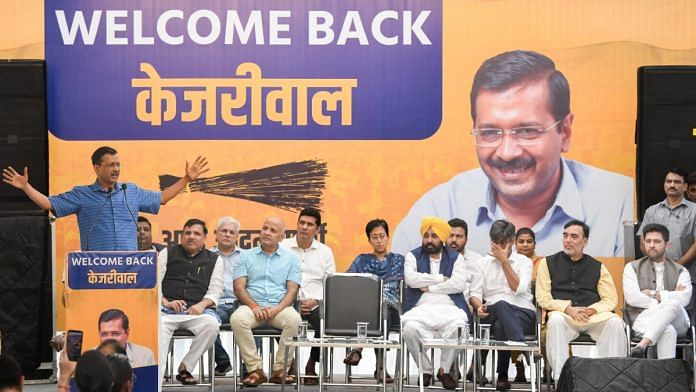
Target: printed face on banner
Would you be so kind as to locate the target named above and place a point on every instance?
(521, 172)
(113, 329)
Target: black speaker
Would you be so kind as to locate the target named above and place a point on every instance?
(23, 129)
(624, 375)
(665, 128)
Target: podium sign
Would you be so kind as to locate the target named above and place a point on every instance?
(114, 295)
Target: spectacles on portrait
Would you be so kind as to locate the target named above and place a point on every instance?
(524, 136)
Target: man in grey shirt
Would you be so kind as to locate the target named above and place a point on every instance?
(679, 216)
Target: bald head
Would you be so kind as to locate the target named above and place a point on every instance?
(272, 232)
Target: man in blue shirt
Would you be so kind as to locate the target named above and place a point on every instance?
(266, 281)
(520, 106)
(106, 210)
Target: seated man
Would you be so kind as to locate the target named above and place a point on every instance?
(657, 290)
(503, 280)
(11, 378)
(191, 279)
(266, 281)
(226, 238)
(114, 324)
(317, 263)
(579, 294)
(435, 306)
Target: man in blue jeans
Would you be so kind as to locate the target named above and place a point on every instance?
(502, 279)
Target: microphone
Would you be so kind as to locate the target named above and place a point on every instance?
(89, 233)
(125, 196)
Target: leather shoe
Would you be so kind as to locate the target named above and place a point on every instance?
(502, 383)
(427, 379)
(638, 352)
(482, 380)
(447, 380)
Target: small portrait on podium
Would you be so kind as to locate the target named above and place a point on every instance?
(113, 298)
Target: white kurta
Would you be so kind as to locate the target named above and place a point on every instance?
(660, 322)
(435, 315)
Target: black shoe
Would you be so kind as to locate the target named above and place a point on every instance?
(427, 379)
(482, 380)
(520, 376)
(222, 369)
(502, 383)
(638, 352)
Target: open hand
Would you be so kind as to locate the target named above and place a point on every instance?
(15, 179)
(197, 168)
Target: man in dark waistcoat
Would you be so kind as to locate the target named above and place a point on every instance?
(657, 290)
(579, 294)
(435, 306)
(191, 284)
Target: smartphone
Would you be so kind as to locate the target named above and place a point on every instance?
(73, 343)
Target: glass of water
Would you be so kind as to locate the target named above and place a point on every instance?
(302, 331)
(484, 333)
(362, 330)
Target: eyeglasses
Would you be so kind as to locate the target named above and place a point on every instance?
(524, 136)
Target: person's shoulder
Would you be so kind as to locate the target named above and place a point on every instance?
(590, 176)
(288, 243)
(520, 258)
(136, 348)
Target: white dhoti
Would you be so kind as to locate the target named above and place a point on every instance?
(205, 327)
(607, 329)
(662, 324)
(431, 322)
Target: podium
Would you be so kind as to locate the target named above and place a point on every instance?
(114, 295)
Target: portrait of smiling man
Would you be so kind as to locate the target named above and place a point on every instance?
(522, 124)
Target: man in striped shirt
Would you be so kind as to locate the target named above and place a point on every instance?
(107, 209)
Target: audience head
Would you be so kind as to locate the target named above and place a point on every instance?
(691, 186)
(525, 242)
(459, 236)
(377, 231)
(272, 232)
(11, 379)
(226, 233)
(111, 346)
(93, 372)
(123, 373)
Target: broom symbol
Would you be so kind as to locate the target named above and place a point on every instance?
(289, 186)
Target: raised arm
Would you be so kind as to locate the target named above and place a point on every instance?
(192, 172)
(21, 181)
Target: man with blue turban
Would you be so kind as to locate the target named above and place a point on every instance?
(435, 304)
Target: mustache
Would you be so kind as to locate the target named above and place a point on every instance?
(514, 164)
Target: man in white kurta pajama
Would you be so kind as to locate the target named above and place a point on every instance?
(435, 305)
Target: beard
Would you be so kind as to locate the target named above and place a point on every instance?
(433, 249)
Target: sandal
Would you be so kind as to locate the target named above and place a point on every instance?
(277, 377)
(353, 358)
(255, 378)
(186, 378)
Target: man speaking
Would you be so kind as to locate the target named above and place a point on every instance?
(522, 123)
(107, 209)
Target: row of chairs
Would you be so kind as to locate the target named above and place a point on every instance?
(349, 298)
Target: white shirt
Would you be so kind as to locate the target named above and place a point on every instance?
(490, 284)
(439, 289)
(470, 259)
(635, 298)
(317, 263)
(214, 287)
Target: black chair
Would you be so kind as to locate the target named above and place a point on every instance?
(684, 342)
(349, 299)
